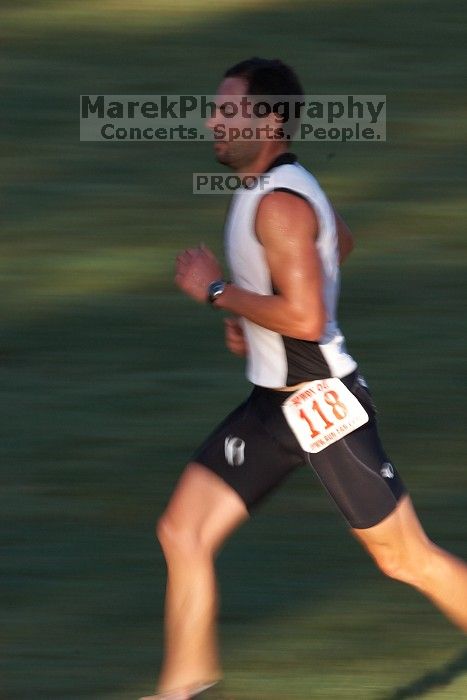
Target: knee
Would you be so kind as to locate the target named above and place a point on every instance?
(392, 565)
(179, 539)
(409, 568)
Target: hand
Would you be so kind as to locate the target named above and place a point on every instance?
(196, 268)
(234, 338)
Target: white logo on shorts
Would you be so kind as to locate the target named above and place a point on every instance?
(362, 381)
(387, 470)
(234, 448)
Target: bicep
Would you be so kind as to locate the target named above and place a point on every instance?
(287, 227)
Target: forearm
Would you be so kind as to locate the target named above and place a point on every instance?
(271, 311)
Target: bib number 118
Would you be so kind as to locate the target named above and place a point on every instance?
(339, 411)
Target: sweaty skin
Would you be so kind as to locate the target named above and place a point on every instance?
(287, 228)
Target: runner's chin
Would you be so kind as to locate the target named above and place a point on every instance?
(220, 149)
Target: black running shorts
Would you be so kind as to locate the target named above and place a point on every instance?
(254, 449)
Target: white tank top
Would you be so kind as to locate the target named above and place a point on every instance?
(276, 360)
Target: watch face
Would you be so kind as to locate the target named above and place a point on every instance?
(215, 289)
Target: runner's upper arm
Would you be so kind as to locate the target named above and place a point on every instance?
(287, 227)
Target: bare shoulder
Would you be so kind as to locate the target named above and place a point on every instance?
(284, 213)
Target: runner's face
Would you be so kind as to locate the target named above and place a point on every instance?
(236, 153)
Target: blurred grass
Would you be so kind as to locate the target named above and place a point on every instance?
(110, 378)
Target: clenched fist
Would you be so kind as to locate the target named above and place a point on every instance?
(196, 268)
(234, 338)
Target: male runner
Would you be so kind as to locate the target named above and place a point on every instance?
(283, 246)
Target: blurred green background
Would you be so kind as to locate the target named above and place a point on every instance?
(110, 377)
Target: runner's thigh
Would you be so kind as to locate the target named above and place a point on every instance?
(253, 449)
(357, 472)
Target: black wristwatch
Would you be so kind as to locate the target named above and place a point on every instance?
(215, 289)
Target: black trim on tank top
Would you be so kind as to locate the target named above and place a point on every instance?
(283, 159)
(305, 360)
(289, 191)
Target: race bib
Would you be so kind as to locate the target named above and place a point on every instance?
(322, 412)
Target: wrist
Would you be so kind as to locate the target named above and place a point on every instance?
(216, 291)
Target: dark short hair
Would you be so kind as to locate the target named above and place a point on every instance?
(266, 76)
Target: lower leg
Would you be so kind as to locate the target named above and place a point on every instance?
(202, 513)
(191, 653)
(403, 551)
(444, 581)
